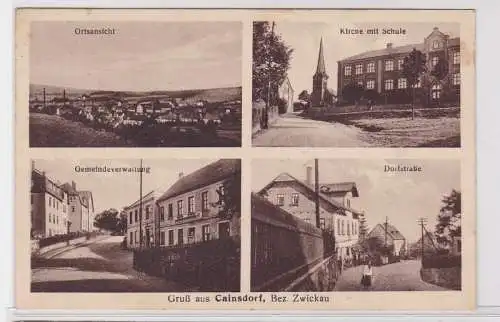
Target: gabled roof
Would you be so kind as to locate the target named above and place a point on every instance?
(392, 231)
(86, 198)
(286, 177)
(339, 187)
(205, 176)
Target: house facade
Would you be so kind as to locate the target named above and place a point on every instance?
(147, 218)
(286, 93)
(381, 71)
(49, 206)
(390, 235)
(80, 208)
(336, 214)
(191, 210)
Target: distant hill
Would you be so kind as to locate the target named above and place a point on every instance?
(210, 95)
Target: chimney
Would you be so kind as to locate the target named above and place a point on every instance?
(389, 45)
(73, 185)
(309, 175)
(181, 174)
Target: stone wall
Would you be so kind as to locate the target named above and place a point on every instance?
(258, 110)
(450, 277)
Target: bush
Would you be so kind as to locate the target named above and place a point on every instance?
(441, 261)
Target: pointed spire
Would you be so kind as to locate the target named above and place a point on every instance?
(320, 69)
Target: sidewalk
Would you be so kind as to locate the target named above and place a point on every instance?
(57, 251)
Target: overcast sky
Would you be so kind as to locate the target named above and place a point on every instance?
(117, 190)
(140, 56)
(304, 38)
(403, 198)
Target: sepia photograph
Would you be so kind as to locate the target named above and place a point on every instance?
(154, 225)
(319, 84)
(135, 84)
(334, 225)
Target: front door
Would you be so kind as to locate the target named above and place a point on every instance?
(224, 230)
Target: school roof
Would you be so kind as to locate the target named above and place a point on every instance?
(205, 176)
(395, 50)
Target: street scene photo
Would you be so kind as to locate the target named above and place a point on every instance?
(355, 225)
(320, 84)
(135, 84)
(135, 225)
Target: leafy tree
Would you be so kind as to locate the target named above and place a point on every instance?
(352, 92)
(108, 220)
(229, 194)
(304, 96)
(449, 219)
(122, 222)
(414, 66)
(271, 61)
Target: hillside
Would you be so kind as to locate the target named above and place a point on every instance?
(210, 95)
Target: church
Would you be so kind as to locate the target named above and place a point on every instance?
(321, 95)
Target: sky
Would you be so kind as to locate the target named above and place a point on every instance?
(141, 56)
(304, 38)
(118, 190)
(403, 198)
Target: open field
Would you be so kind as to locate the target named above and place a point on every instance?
(419, 132)
(55, 131)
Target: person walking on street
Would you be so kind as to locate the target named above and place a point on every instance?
(367, 279)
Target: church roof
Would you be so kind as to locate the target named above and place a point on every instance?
(321, 69)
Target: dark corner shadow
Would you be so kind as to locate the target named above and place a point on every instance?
(451, 142)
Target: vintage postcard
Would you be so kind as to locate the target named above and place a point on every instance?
(181, 159)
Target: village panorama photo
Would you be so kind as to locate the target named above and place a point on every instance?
(316, 85)
(135, 84)
(173, 226)
(334, 225)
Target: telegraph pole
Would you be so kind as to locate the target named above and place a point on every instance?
(140, 206)
(269, 64)
(316, 189)
(421, 221)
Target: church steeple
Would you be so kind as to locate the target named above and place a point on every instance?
(320, 69)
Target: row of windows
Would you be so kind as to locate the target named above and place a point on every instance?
(134, 215)
(346, 227)
(294, 199)
(402, 83)
(168, 237)
(322, 224)
(389, 65)
(54, 219)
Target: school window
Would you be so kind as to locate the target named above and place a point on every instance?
(347, 71)
(50, 202)
(191, 205)
(348, 201)
(343, 227)
(170, 237)
(295, 199)
(400, 64)
(389, 65)
(191, 232)
(322, 224)
(436, 91)
(435, 44)
(136, 216)
(360, 82)
(402, 83)
(359, 69)
(205, 232)
(370, 84)
(131, 238)
(280, 199)
(456, 57)
(370, 67)
(307, 220)
(389, 85)
(170, 214)
(456, 79)
(180, 205)
(180, 236)
(162, 213)
(148, 209)
(434, 61)
(162, 238)
(204, 201)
